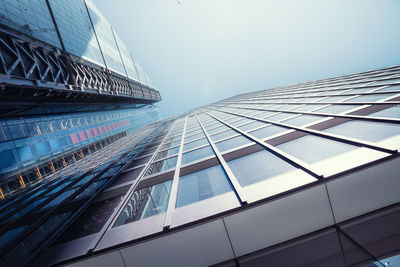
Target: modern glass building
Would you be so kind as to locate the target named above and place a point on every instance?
(69, 87)
(300, 175)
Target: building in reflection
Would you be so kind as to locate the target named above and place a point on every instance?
(300, 175)
(69, 87)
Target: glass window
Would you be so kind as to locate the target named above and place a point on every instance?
(280, 116)
(194, 144)
(393, 112)
(302, 120)
(307, 108)
(162, 165)
(223, 135)
(201, 185)
(232, 143)
(268, 131)
(336, 109)
(311, 149)
(25, 153)
(257, 167)
(145, 203)
(369, 98)
(197, 154)
(251, 125)
(167, 153)
(366, 130)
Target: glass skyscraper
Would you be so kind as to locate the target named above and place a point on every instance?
(300, 175)
(69, 87)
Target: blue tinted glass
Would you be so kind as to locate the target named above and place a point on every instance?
(252, 125)
(106, 39)
(393, 112)
(5, 238)
(257, 167)
(280, 116)
(307, 107)
(232, 143)
(146, 202)
(366, 130)
(201, 185)
(76, 30)
(311, 149)
(268, 131)
(42, 148)
(302, 120)
(195, 144)
(25, 153)
(223, 135)
(197, 154)
(162, 165)
(31, 17)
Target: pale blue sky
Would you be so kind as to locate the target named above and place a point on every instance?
(200, 51)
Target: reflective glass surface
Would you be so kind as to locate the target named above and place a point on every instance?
(76, 29)
(257, 167)
(201, 185)
(145, 203)
(197, 154)
(232, 143)
(366, 130)
(32, 17)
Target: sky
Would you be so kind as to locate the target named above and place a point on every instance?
(201, 51)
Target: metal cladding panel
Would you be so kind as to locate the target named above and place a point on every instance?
(365, 191)
(279, 220)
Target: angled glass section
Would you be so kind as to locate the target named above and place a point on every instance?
(106, 39)
(202, 185)
(31, 17)
(76, 29)
(197, 154)
(145, 203)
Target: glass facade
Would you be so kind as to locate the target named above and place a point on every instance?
(291, 175)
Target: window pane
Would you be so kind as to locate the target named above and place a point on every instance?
(393, 112)
(257, 167)
(162, 165)
(201, 185)
(336, 109)
(232, 143)
(366, 130)
(302, 120)
(195, 144)
(223, 135)
(268, 131)
(197, 154)
(311, 149)
(252, 125)
(146, 202)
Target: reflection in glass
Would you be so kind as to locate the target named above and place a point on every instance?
(311, 149)
(201, 185)
(232, 143)
(257, 167)
(197, 154)
(366, 130)
(145, 203)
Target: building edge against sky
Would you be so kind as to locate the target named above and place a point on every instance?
(299, 175)
(69, 87)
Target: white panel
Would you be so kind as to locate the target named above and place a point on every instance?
(112, 259)
(198, 246)
(365, 190)
(279, 220)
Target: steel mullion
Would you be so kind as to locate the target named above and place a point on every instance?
(175, 182)
(335, 137)
(288, 158)
(114, 216)
(357, 117)
(232, 178)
